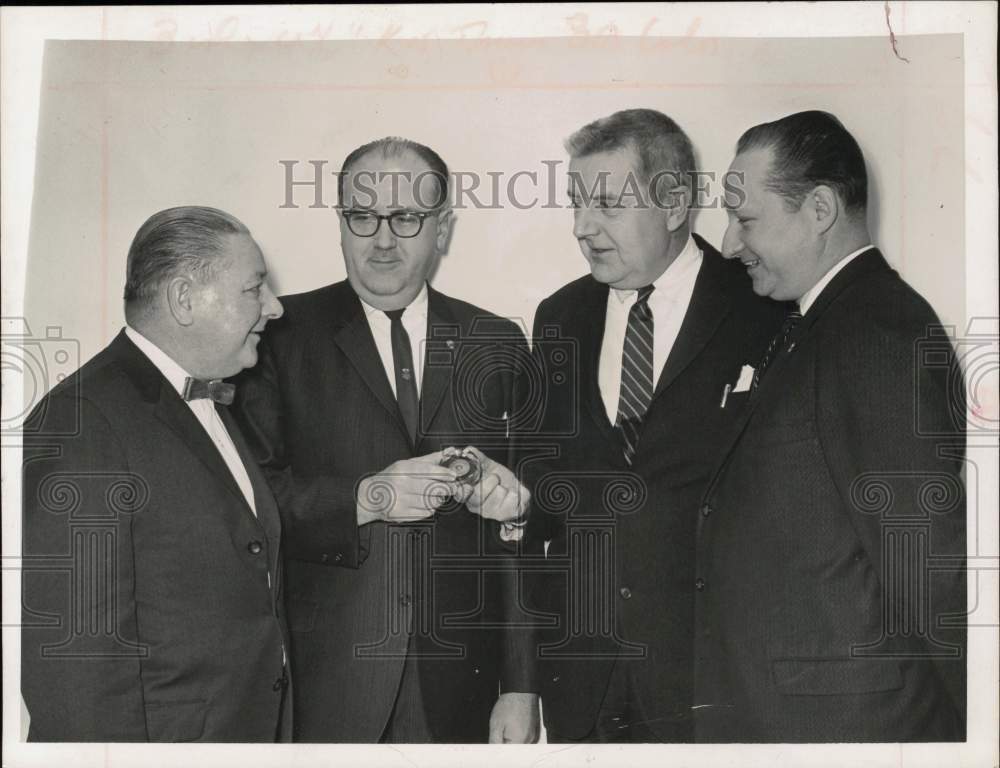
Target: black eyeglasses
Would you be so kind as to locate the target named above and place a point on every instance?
(402, 223)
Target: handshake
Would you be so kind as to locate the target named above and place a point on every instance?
(414, 489)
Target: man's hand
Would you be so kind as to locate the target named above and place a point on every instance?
(498, 495)
(514, 719)
(407, 490)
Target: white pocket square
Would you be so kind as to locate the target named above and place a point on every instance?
(745, 380)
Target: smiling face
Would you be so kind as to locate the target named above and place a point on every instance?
(625, 239)
(386, 270)
(779, 247)
(230, 310)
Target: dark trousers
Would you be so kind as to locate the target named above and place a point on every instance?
(620, 718)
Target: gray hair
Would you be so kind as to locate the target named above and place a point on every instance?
(186, 239)
(661, 147)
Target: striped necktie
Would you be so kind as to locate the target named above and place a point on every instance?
(637, 372)
(777, 345)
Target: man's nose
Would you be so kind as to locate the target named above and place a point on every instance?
(272, 308)
(583, 222)
(731, 242)
(384, 236)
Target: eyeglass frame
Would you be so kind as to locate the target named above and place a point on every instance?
(387, 217)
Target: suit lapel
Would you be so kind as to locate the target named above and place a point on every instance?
(708, 308)
(593, 313)
(173, 412)
(264, 503)
(439, 358)
(865, 264)
(354, 337)
(170, 408)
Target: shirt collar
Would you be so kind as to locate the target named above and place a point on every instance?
(171, 370)
(418, 305)
(672, 277)
(810, 296)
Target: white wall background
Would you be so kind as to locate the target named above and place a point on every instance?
(128, 128)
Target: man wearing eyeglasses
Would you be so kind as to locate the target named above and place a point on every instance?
(397, 591)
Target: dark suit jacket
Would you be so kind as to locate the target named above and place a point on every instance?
(821, 617)
(148, 610)
(620, 579)
(321, 415)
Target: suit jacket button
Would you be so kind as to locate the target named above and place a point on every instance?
(706, 510)
(625, 592)
(699, 584)
(324, 557)
(404, 600)
(255, 547)
(475, 671)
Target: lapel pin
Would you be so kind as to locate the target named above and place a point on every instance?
(450, 344)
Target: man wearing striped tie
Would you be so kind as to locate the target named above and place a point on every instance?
(666, 335)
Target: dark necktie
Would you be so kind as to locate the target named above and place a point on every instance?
(637, 372)
(406, 374)
(777, 345)
(215, 389)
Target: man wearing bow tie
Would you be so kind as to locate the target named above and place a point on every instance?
(152, 574)
(399, 578)
(665, 332)
(830, 599)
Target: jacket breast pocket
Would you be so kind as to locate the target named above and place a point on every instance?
(176, 720)
(734, 402)
(830, 677)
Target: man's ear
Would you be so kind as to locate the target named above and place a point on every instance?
(445, 220)
(676, 205)
(824, 208)
(180, 299)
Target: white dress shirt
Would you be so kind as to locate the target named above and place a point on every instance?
(668, 302)
(203, 409)
(813, 293)
(415, 322)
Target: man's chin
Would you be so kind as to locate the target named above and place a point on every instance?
(247, 359)
(763, 287)
(603, 275)
(387, 293)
